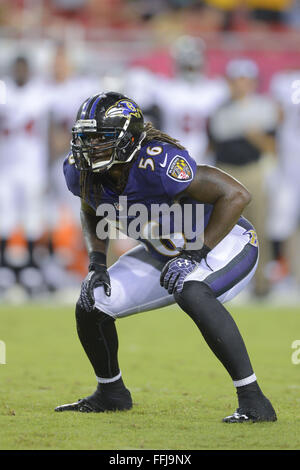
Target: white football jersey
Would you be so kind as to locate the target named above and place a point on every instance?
(186, 107)
(282, 89)
(24, 127)
(140, 85)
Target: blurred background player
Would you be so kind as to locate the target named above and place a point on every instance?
(188, 98)
(242, 133)
(67, 88)
(23, 173)
(142, 83)
(284, 218)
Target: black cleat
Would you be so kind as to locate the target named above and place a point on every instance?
(81, 405)
(98, 403)
(263, 412)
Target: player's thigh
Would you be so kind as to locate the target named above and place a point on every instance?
(135, 285)
(230, 266)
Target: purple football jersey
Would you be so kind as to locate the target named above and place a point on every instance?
(158, 175)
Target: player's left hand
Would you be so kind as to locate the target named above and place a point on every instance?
(175, 272)
(177, 269)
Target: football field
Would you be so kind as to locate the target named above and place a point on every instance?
(180, 390)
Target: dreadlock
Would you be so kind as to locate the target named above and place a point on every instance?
(155, 134)
(87, 181)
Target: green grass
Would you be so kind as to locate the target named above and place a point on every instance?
(180, 391)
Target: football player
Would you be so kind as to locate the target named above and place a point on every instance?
(23, 146)
(284, 185)
(114, 154)
(188, 99)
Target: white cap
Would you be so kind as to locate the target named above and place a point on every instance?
(238, 68)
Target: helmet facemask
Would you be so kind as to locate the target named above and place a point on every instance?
(97, 151)
(94, 151)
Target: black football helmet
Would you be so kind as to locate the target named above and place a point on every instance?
(109, 129)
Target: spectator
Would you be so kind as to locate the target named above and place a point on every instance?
(292, 15)
(268, 11)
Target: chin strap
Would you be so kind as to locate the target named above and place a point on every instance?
(137, 149)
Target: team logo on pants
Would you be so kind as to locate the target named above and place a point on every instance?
(253, 237)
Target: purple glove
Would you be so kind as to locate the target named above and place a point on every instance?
(175, 272)
(177, 269)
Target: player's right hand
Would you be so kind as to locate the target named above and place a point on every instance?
(97, 276)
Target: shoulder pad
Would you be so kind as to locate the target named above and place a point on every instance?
(177, 170)
(174, 166)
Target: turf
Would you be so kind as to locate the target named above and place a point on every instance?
(180, 390)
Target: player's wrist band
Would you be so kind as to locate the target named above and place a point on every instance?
(203, 252)
(96, 257)
(197, 255)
